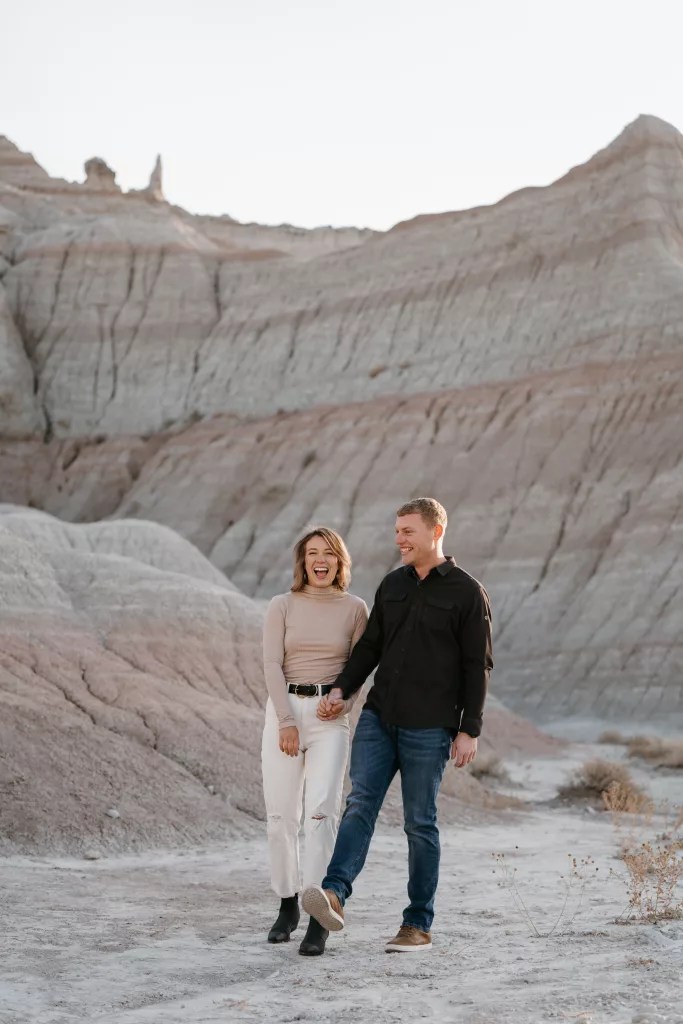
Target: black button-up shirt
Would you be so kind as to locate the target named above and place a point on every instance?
(430, 641)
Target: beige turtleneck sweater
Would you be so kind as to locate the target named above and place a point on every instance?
(307, 638)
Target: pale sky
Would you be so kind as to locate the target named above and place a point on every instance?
(360, 112)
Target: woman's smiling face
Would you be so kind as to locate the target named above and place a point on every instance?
(321, 563)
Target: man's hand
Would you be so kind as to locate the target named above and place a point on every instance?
(289, 740)
(331, 706)
(463, 749)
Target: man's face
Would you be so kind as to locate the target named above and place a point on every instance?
(415, 539)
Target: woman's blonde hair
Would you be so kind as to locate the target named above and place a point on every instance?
(336, 544)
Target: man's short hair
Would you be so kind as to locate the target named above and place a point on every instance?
(431, 510)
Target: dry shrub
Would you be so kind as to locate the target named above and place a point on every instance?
(672, 755)
(595, 777)
(626, 798)
(612, 736)
(488, 766)
(665, 753)
(655, 871)
(654, 866)
(610, 783)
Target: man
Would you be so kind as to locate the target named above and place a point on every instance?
(429, 635)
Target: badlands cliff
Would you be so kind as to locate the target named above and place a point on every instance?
(520, 361)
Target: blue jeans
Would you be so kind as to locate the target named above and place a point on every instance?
(377, 753)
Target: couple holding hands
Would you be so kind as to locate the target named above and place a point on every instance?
(429, 638)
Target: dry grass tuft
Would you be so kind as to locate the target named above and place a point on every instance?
(609, 782)
(580, 873)
(488, 766)
(663, 753)
(612, 736)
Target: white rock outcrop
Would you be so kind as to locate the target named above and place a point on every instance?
(129, 672)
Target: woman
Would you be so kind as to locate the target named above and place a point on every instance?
(307, 638)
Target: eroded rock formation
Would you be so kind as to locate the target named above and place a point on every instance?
(99, 175)
(155, 188)
(521, 361)
(128, 667)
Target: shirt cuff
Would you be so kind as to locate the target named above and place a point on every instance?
(286, 723)
(472, 726)
(343, 685)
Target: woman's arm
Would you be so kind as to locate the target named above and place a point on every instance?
(273, 658)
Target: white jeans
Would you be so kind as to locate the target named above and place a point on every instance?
(320, 765)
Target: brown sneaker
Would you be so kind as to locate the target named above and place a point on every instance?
(324, 906)
(409, 940)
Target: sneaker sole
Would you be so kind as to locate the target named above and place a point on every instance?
(315, 902)
(389, 948)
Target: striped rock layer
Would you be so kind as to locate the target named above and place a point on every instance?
(522, 362)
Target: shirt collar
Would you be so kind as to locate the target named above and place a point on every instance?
(443, 568)
(321, 593)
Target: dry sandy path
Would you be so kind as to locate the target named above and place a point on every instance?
(179, 937)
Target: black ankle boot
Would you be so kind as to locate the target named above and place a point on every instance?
(287, 919)
(313, 942)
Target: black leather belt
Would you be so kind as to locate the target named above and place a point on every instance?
(309, 689)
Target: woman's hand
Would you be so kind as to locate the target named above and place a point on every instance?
(331, 706)
(289, 740)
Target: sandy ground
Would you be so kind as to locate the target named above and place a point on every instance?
(180, 937)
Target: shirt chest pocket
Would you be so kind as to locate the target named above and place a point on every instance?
(439, 612)
(394, 609)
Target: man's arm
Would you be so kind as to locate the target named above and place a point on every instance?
(359, 627)
(476, 650)
(365, 655)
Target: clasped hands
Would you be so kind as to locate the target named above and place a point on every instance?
(332, 705)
